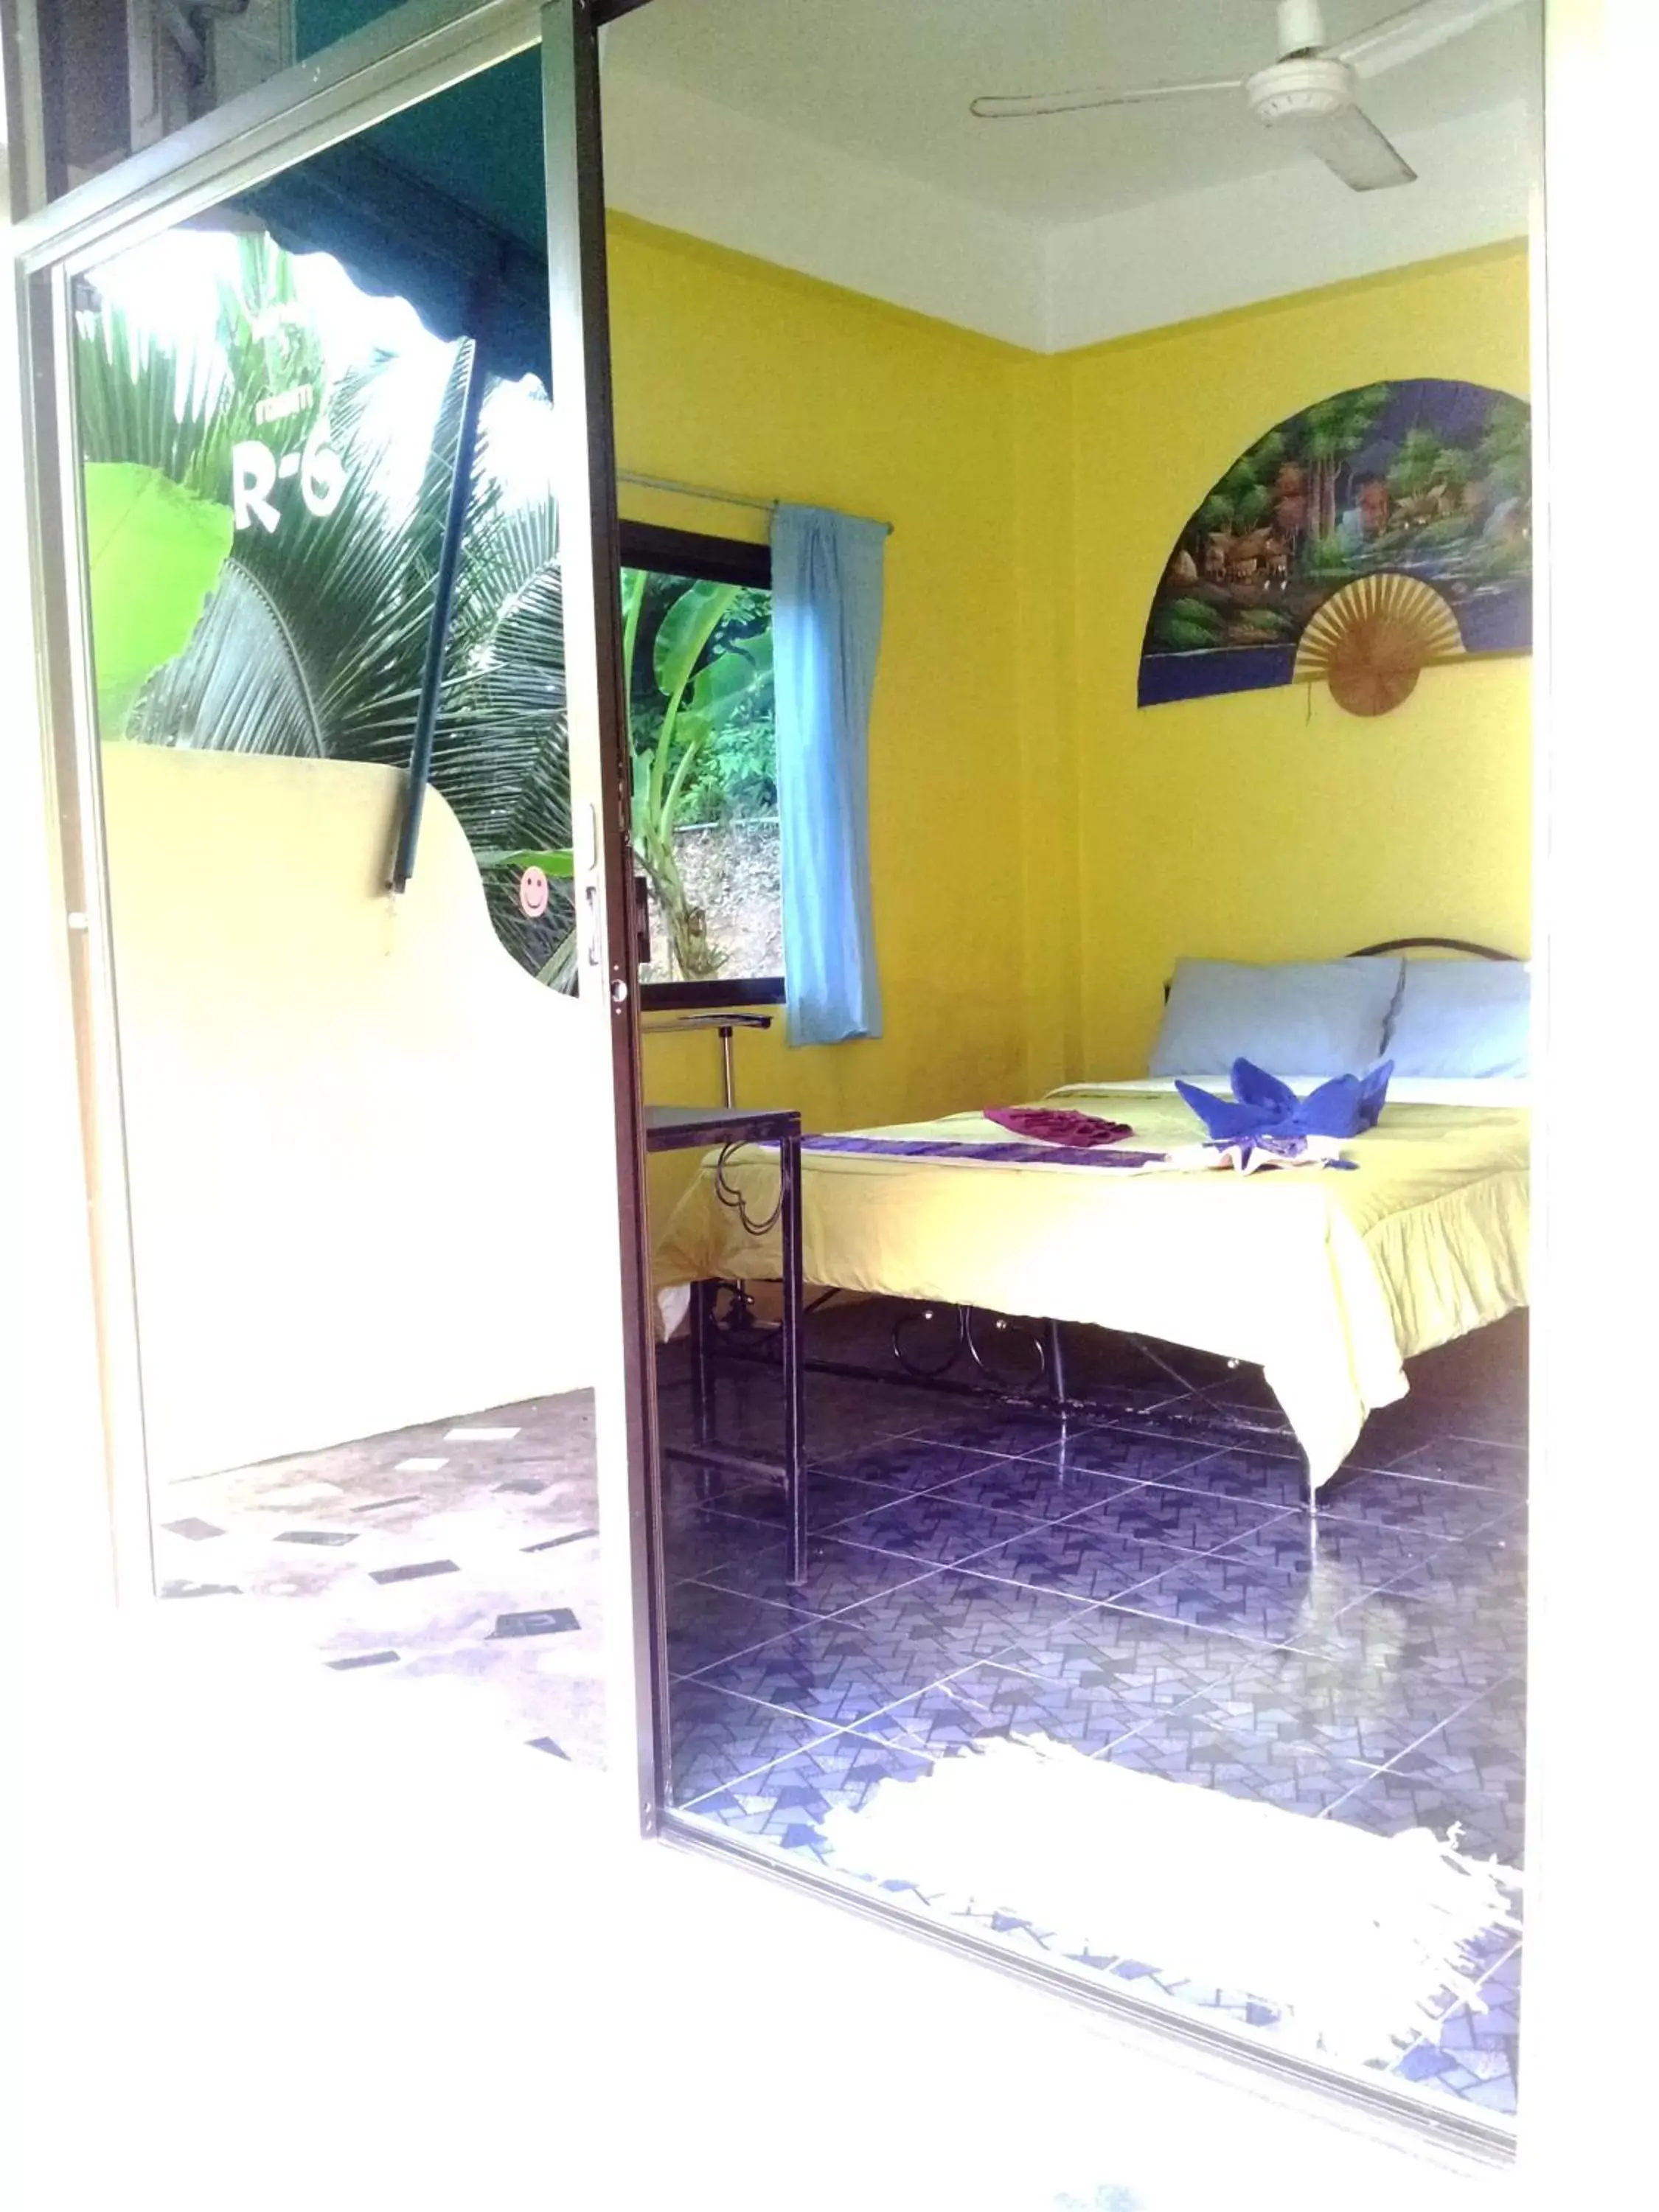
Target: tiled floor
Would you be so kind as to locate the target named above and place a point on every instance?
(462, 1557)
(1147, 1589)
(1143, 1588)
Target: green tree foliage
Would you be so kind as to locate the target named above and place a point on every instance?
(697, 662)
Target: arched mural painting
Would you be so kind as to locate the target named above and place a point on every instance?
(1375, 532)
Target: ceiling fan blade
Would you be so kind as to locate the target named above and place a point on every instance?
(1349, 143)
(1413, 31)
(1004, 106)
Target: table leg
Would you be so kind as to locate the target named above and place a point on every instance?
(794, 1379)
(702, 1380)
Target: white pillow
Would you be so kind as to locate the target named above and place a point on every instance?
(1314, 1018)
(1462, 1018)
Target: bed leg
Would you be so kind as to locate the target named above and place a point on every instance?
(1056, 1367)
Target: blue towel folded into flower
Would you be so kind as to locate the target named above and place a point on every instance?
(1261, 1106)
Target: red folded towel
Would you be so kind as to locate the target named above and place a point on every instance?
(1056, 1125)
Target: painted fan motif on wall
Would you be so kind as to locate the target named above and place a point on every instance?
(1377, 532)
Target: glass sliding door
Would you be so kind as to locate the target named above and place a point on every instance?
(321, 449)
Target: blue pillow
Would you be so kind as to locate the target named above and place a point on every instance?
(1314, 1018)
(1462, 1018)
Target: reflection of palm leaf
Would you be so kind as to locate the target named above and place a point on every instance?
(314, 640)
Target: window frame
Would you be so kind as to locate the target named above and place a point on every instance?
(724, 561)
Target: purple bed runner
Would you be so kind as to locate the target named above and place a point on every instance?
(944, 1148)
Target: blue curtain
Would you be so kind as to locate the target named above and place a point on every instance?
(826, 633)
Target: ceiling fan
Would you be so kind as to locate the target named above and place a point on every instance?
(1311, 91)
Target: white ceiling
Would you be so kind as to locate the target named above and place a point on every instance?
(833, 136)
(890, 81)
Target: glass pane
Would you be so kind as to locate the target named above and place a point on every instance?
(120, 75)
(697, 660)
(366, 1372)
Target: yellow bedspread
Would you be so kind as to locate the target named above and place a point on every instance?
(1328, 1280)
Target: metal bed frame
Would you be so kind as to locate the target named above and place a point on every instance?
(973, 1337)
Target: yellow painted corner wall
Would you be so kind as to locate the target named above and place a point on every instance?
(1042, 850)
(733, 373)
(1272, 825)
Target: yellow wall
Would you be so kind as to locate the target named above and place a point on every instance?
(354, 1125)
(1042, 849)
(733, 373)
(1272, 825)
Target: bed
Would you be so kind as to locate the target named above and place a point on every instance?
(1328, 1281)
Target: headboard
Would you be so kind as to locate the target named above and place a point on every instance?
(1429, 944)
(1417, 945)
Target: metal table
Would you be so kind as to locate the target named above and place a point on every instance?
(684, 1129)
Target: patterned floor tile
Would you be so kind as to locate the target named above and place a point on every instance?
(1263, 1480)
(1264, 1600)
(1004, 1430)
(1469, 1463)
(784, 1805)
(979, 1703)
(1036, 1490)
(698, 1540)
(931, 1527)
(1211, 1424)
(906, 1465)
(1445, 1796)
(1470, 1771)
(1114, 1671)
(707, 1624)
(1084, 1558)
(1436, 1509)
(1475, 2052)
(1322, 1702)
(715, 1739)
(838, 1574)
(1124, 1455)
(1194, 1521)
(1193, 1744)
(846, 1668)
(1490, 1566)
(1465, 1646)
(1347, 1556)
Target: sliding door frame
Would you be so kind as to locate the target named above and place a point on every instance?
(410, 54)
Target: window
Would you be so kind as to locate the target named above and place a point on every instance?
(697, 658)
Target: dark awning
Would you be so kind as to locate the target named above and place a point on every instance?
(439, 205)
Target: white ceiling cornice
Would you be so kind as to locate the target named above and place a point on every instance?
(693, 164)
(1258, 238)
(674, 158)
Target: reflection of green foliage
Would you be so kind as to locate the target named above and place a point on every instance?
(1187, 626)
(153, 553)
